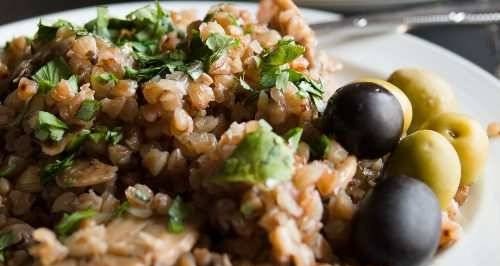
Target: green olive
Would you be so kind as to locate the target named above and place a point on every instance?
(428, 156)
(402, 98)
(429, 94)
(469, 139)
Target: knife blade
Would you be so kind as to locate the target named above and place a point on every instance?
(380, 24)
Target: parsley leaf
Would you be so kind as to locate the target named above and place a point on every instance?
(112, 136)
(194, 69)
(107, 77)
(286, 51)
(88, 110)
(293, 137)
(177, 214)
(120, 210)
(50, 170)
(70, 223)
(152, 22)
(282, 80)
(273, 63)
(319, 147)
(76, 140)
(219, 44)
(99, 26)
(274, 71)
(261, 157)
(50, 74)
(47, 33)
(6, 239)
(73, 83)
(49, 126)
(151, 66)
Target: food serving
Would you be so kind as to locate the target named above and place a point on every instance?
(166, 139)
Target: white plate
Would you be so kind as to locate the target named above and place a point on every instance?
(477, 91)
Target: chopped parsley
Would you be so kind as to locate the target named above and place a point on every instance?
(261, 157)
(285, 52)
(48, 126)
(69, 223)
(151, 66)
(6, 239)
(282, 80)
(99, 26)
(177, 214)
(47, 33)
(51, 170)
(219, 44)
(112, 136)
(274, 72)
(88, 110)
(50, 74)
(73, 83)
(77, 139)
(120, 210)
(293, 137)
(107, 77)
(194, 69)
(320, 146)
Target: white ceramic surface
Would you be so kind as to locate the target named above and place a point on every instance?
(477, 91)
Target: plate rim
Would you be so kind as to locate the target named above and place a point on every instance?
(424, 43)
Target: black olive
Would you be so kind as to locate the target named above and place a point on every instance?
(398, 223)
(365, 118)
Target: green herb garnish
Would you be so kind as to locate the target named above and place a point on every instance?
(70, 223)
(47, 33)
(77, 139)
(48, 126)
(261, 157)
(219, 44)
(177, 214)
(99, 26)
(194, 69)
(51, 170)
(73, 83)
(112, 136)
(275, 72)
(120, 210)
(6, 239)
(320, 146)
(293, 137)
(285, 52)
(50, 74)
(106, 77)
(88, 110)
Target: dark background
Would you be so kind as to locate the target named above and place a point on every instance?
(480, 44)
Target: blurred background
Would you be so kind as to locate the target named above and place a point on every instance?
(480, 44)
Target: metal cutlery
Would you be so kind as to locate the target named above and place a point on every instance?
(400, 23)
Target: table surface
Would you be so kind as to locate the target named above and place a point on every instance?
(479, 44)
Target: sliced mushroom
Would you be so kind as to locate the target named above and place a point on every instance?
(84, 173)
(140, 238)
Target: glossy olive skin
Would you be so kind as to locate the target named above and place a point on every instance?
(398, 223)
(429, 94)
(365, 118)
(428, 156)
(402, 98)
(469, 139)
